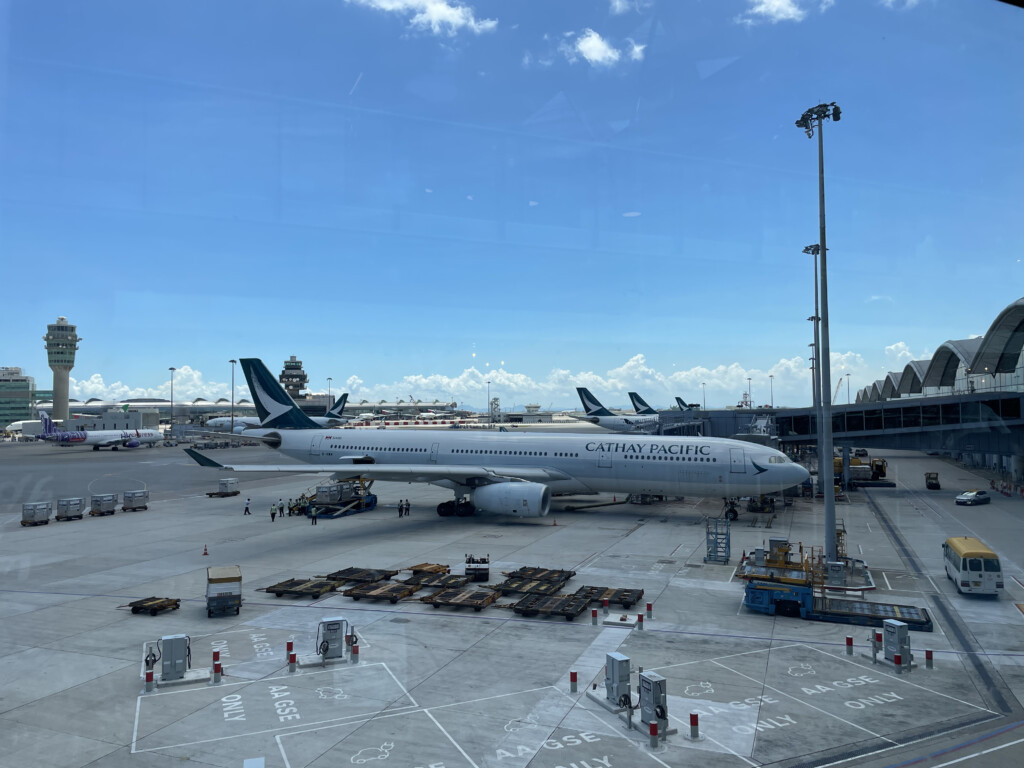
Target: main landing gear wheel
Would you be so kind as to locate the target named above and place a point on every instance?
(446, 508)
(731, 513)
(465, 509)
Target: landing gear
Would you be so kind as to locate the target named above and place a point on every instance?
(457, 507)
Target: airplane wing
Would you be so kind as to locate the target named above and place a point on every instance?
(408, 473)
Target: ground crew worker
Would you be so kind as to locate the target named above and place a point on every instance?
(247, 512)
(289, 507)
(312, 515)
(280, 507)
(273, 511)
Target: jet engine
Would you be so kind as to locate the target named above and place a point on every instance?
(512, 498)
(132, 444)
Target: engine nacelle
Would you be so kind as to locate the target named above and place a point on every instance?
(512, 498)
(132, 444)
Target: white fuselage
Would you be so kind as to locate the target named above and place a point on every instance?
(107, 438)
(626, 424)
(575, 463)
(252, 422)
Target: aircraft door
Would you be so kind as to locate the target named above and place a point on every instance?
(604, 459)
(314, 446)
(736, 462)
(433, 452)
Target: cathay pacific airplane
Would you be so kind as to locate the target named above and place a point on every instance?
(101, 438)
(517, 473)
(333, 418)
(597, 414)
(640, 405)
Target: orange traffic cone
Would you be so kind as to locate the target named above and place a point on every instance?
(553, 521)
(204, 550)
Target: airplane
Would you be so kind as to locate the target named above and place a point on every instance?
(685, 406)
(516, 474)
(602, 417)
(333, 418)
(101, 438)
(641, 406)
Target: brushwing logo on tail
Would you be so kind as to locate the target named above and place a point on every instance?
(273, 408)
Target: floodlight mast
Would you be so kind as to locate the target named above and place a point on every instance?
(811, 120)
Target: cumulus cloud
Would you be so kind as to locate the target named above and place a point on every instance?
(593, 48)
(635, 51)
(787, 381)
(440, 17)
(772, 11)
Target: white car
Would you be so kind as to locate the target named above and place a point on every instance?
(970, 498)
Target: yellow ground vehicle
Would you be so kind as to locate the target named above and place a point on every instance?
(972, 566)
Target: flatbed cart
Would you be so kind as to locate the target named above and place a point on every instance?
(791, 600)
(529, 586)
(438, 580)
(624, 597)
(429, 568)
(153, 605)
(541, 574)
(393, 591)
(361, 575)
(569, 606)
(311, 588)
(477, 599)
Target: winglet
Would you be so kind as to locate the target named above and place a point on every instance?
(201, 460)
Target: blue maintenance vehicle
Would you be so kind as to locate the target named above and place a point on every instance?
(773, 598)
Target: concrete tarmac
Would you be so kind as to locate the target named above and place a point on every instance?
(453, 687)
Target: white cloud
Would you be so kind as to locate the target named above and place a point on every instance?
(618, 7)
(635, 51)
(772, 11)
(903, 5)
(446, 17)
(879, 297)
(592, 47)
(898, 355)
(826, 4)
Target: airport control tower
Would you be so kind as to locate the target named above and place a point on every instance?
(293, 378)
(61, 344)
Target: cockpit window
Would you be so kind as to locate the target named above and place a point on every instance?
(777, 460)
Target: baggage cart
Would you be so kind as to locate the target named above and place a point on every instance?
(624, 597)
(228, 486)
(529, 586)
(393, 591)
(153, 605)
(438, 580)
(477, 599)
(135, 501)
(103, 504)
(36, 512)
(541, 574)
(361, 575)
(429, 568)
(70, 509)
(311, 588)
(569, 606)
(223, 590)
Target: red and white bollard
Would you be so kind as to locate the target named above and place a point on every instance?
(604, 604)
(149, 681)
(593, 616)
(572, 681)
(216, 667)
(355, 653)
(928, 661)
(694, 726)
(289, 648)
(640, 621)
(897, 660)
(291, 661)
(650, 610)
(654, 734)
(849, 646)
(876, 645)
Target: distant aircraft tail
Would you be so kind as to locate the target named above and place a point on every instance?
(335, 412)
(273, 405)
(591, 405)
(49, 428)
(640, 406)
(682, 404)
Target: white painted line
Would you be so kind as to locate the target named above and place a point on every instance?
(887, 584)
(135, 728)
(741, 606)
(979, 754)
(810, 706)
(733, 574)
(686, 725)
(729, 656)
(869, 528)
(280, 747)
(449, 737)
(860, 549)
(491, 698)
(899, 679)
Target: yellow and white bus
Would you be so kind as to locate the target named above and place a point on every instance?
(972, 566)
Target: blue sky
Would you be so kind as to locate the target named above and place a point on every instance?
(416, 196)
